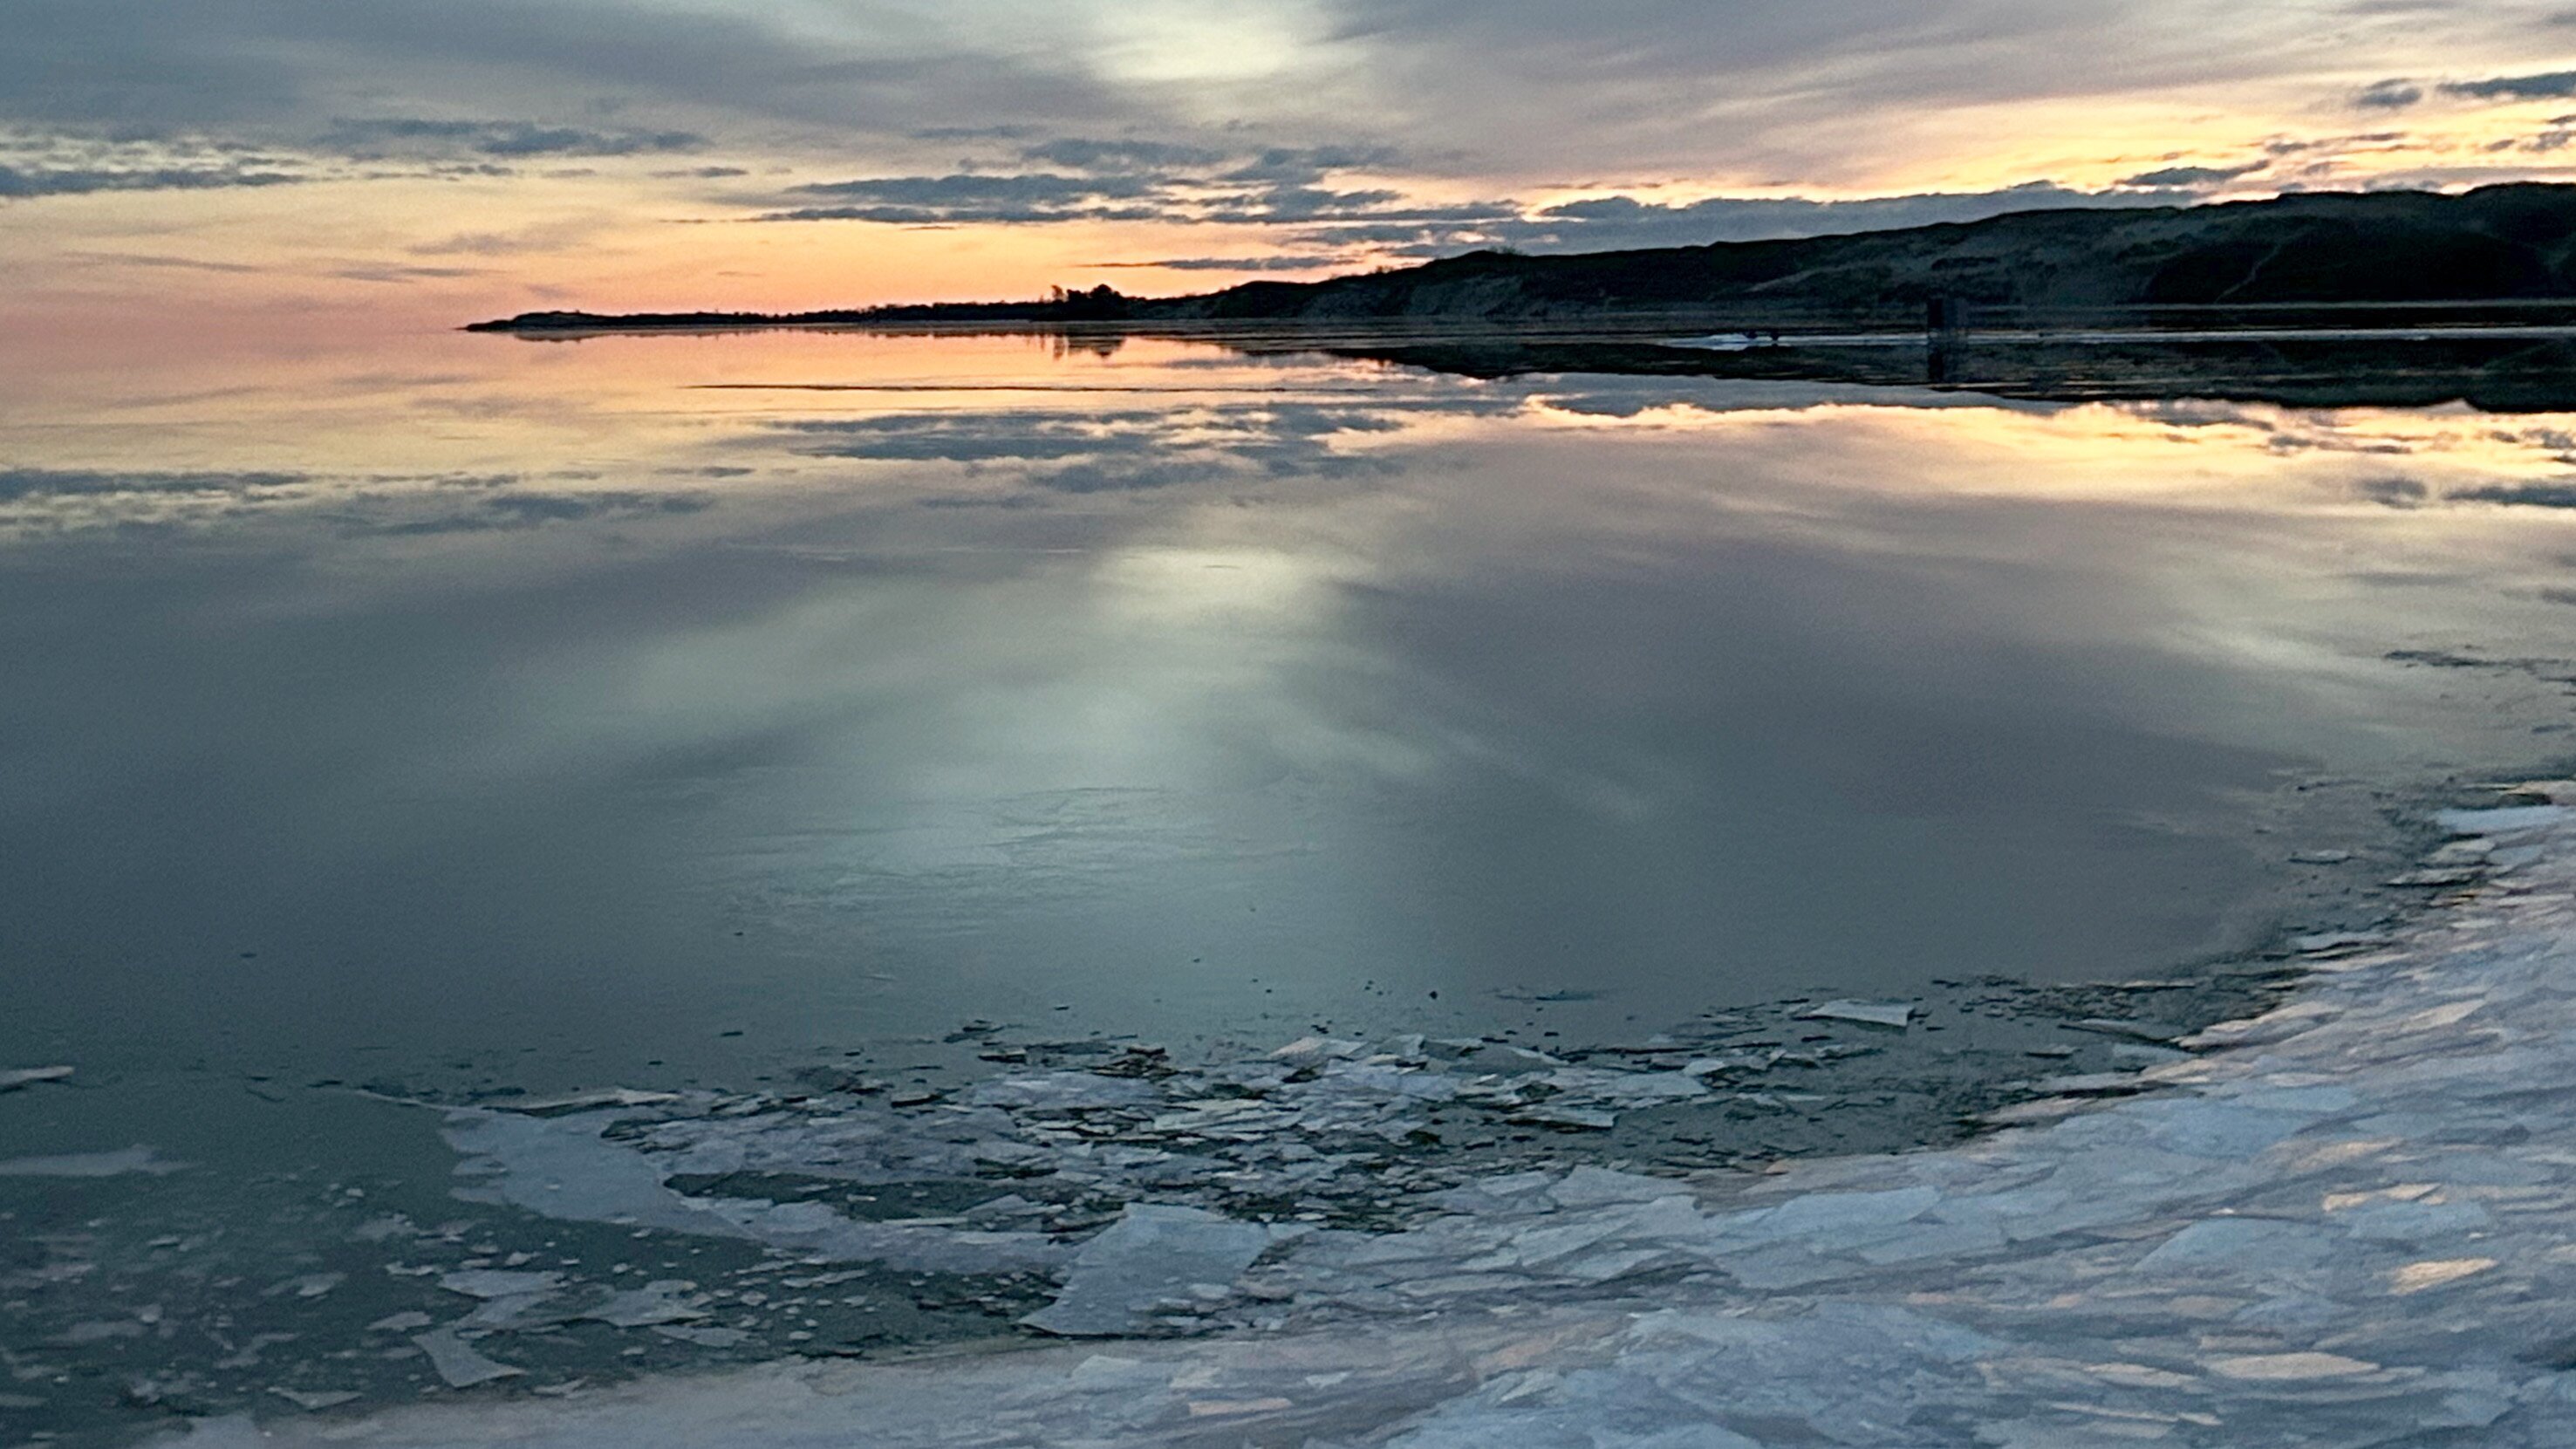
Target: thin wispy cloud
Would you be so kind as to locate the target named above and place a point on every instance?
(2389, 95)
(2555, 85)
(1627, 221)
(393, 136)
(23, 183)
(2189, 176)
(1281, 262)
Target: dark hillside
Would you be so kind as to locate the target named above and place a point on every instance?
(2501, 242)
(2322, 248)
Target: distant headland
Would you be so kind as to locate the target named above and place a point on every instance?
(2499, 243)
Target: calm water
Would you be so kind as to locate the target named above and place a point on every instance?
(657, 707)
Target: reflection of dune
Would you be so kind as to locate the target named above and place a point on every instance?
(2504, 370)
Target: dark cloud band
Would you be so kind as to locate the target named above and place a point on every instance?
(22, 184)
(2552, 86)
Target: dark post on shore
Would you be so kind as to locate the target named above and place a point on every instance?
(1945, 325)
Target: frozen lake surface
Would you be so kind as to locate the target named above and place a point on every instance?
(980, 797)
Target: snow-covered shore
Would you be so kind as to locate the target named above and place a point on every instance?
(2350, 1221)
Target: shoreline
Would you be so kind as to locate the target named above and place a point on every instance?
(1678, 328)
(2505, 369)
(2312, 1226)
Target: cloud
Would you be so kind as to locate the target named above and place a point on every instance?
(2553, 86)
(1625, 221)
(1083, 155)
(973, 438)
(393, 137)
(1290, 263)
(2389, 95)
(969, 197)
(1304, 166)
(17, 484)
(929, 216)
(969, 192)
(517, 510)
(1841, 92)
(282, 71)
(386, 272)
(2393, 492)
(20, 184)
(164, 261)
(358, 504)
(2194, 176)
(1120, 181)
(1111, 452)
(2526, 495)
(972, 133)
(1275, 205)
(553, 236)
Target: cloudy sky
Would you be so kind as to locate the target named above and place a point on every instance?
(470, 157)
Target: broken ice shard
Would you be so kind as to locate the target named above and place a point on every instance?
(1875, 1013)
(1152, 1261)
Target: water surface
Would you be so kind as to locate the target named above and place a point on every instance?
(560, 708)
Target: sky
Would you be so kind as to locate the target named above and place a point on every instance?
(274, 159)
